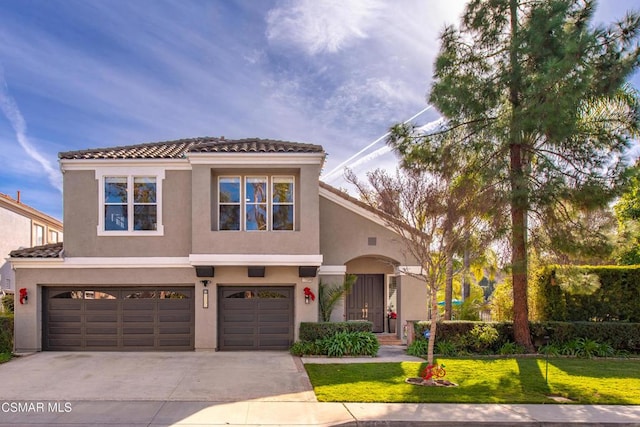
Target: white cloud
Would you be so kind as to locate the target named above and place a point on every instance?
(13, 114)
(322, 26)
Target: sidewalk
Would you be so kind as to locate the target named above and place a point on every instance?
(234, 389)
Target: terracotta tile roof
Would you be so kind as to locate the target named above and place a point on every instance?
(179, 149)
(53, 250)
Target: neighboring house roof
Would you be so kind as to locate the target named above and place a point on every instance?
(27, 211)
(53, 250)
(180, 148)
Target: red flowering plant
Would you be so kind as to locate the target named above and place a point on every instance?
(392, 315)
(309, 293)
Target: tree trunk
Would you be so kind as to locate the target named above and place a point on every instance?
(519, 195)
(433, 326)
(448, 289)
(466, 268)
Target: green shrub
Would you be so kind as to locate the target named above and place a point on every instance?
(8, 303)
(587, 293)
(6, 333)
(312, 331)
(350, 344)
(447, 348)
(418, 348)
(306, 348)
(482, 338)
(340, 344)
(510, 348)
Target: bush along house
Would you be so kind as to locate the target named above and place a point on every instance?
(205, 244)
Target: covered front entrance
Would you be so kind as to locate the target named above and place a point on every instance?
(366, 300)
(112, 318)
(255, 317)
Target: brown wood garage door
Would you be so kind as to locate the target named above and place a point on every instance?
(123, 319)
(255, 318)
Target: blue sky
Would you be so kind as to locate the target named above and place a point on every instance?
(88, 73)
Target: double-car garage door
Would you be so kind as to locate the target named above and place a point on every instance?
(140, 318)
(162, 318)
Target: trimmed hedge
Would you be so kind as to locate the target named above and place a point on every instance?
(312, 331)
(8, 303)
(6, 333)
(568, 294)
(619, 335)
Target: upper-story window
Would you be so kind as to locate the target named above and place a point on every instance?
(262, 203)
(130, 204)
(53, 236)
(38, 238)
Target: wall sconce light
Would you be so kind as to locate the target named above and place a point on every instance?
(205, 282)
(308, 295)
(205, 298)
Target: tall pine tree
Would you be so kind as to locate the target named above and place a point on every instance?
(540, 95)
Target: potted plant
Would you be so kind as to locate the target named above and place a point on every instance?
(391, 321)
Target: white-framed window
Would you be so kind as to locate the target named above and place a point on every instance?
(229, 207)
(130, 203)
(283, 206)
(256, 203)
(255, 194)
(53, 236)
(38, 235)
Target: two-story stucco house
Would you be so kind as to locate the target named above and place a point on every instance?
(22, 226)
(202, 244)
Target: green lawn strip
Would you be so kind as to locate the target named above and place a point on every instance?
(5, 357)
(603, 381)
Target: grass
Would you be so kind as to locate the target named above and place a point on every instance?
(513, 380)
(5, 357)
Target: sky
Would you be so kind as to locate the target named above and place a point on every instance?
(78, 74)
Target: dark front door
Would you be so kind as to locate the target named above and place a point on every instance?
(366, 300)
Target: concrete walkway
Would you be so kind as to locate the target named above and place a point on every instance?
(234, 388)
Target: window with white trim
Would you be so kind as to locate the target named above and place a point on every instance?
(282, 203)
(130, 204)
(261, 204)
(53, 236)
(38, 238)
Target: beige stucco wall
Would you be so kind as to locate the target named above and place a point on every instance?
(207, 240)
(412, 300)
(28, 317)
(345, 236)
(81, 207)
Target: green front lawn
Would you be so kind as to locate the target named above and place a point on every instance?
(513, 380)
(5, 357)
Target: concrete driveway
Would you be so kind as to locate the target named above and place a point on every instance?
(164, 376)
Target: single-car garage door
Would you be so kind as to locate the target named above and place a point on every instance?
(141, 318)
(255, 318)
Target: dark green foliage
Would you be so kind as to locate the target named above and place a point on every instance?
(6, 333)
(616, 298)
(338, 345)
(418, 348)
(459, 338)
(329, 295)
(312, 331)
(8, 303)
(510, 348)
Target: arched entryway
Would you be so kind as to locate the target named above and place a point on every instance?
(368, 299)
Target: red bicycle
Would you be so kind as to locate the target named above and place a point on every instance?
(434, 371)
